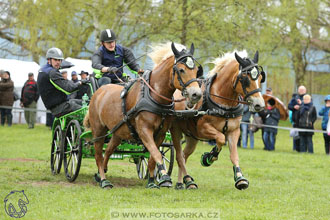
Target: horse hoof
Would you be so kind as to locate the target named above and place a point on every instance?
(166, 184)
(205, 160)
(179, 186)
(190, 184)
(106, 184)
(165, 181)
(242, 184)
(97, 177)
(152, 186)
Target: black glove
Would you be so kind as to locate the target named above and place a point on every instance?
(84, 81)
(112, 69)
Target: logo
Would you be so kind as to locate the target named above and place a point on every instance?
(15, 204)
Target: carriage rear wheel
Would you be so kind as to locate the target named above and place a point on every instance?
(142, 167)
(56, 151)
(72, 152)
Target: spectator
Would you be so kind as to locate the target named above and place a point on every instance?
(306, 118)
(269, 91)
(74, 77)
(65, 74)
(272, 117)
(84, 89)
(294, 106)
(325, 113)
(247, 115)
(6, 98)
(29, 98)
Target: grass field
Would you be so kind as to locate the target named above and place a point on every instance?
(283, 184)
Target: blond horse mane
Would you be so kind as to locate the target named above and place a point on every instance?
(221, 61)
(163, 51)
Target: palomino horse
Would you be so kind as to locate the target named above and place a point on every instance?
(140, 111)
(227, 81)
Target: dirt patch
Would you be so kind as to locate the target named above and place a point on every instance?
(21, 159)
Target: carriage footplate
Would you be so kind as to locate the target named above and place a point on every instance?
(190, 182)
(152, 184)
(241, 182)
(209, 157)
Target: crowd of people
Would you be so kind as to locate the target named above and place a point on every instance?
(61, 95)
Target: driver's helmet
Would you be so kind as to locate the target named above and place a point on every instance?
(107, 35)
(54, 53)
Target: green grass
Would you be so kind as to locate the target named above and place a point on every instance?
(283, 184)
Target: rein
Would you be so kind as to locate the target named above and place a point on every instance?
(159, 95)
(238, 101)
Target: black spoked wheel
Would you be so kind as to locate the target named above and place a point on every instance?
(167, 151)
(56, 151)
(72, 152)
(142, 167)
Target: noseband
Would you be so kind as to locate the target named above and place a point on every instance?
(243, 78)
(176, 71)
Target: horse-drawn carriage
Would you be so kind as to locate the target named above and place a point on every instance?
(70, 143)
(143, 110)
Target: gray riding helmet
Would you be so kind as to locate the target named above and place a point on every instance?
(54, 53)
(108, 35)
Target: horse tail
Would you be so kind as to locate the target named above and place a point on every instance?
(86, 123)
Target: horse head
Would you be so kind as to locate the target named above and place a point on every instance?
(185, 73)
(248, 80)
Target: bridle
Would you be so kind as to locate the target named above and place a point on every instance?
(243, 78)
(191, 66)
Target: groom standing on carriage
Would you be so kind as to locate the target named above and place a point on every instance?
(108, 60)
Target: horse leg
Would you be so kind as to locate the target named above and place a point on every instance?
(146, 136)
(182, 157)
(209, 157)
(113, 143)
(240, 181)
(100, 177)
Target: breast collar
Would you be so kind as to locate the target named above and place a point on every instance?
(216, 109)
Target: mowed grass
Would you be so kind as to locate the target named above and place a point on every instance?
(283, 184)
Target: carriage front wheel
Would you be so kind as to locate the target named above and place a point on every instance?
(56, 151)
(72, 152)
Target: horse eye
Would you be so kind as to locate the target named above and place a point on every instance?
(181, 71)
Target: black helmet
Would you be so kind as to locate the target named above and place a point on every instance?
(108, 35)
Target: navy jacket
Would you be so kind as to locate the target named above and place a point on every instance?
(272, 118)
(53, 88)
(325, 113)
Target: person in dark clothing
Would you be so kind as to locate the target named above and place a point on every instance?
(54, 89)
(306, 118)
(29, 98)
(6, 98)
(74, 77)
(244, 127)
(294, 105)
(272, 117)
(109, 58)
(325, 113)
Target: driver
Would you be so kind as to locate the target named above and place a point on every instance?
(108, 59)
(53, 88)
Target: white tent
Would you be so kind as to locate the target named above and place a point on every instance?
(79, 65)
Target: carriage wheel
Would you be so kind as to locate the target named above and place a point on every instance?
(72, 152)
(142, 167)
(167, 151)
(56, 151)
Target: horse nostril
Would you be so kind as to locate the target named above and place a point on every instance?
(257, 108)
(196, 95)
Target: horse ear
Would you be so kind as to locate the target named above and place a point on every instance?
(192, 49)
(240, 60)
(175, 51)
(256, 57)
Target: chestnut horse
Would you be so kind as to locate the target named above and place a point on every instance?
(227, 81)
(125, 113)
